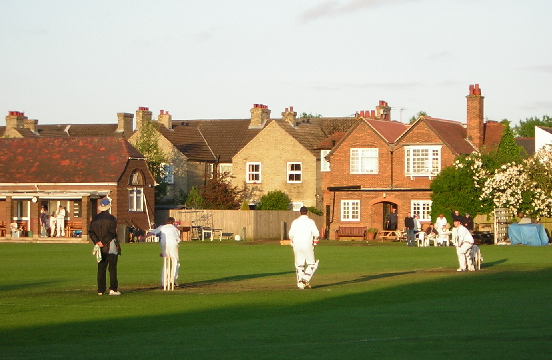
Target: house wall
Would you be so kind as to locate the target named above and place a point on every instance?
(421, 135)
(389, 188)
(274, 148)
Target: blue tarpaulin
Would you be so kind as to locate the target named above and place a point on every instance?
(527, 234)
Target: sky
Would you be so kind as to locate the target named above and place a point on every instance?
(77, 61)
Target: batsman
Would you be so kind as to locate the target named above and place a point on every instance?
(303, 235)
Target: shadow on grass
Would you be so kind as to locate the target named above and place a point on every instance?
(206, 283)
(366, 278)
(492, 263)
(19, 286)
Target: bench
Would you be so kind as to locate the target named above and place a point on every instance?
(351, 231)
(73, 227)
(395, 235)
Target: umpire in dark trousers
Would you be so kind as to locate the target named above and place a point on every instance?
(103, 232)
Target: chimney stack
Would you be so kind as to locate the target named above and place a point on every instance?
(475, 116)
(15, 120)
(124, 124)
(383, 111)
(260, 114)
(289, 116)
(143, 114)
(165, 119)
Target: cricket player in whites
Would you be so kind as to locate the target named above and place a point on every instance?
(303, 235)
(169, 240)
(464, 242)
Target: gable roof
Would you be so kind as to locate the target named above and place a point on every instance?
(64, 160)
(209, 140)
(493, 131)
(452, 133)
(309, 135)
(68, 130)
(389, 130)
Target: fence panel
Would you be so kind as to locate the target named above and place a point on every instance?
(258, 225)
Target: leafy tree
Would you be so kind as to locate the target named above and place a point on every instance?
(219, 193)
(508, 150)
(414, 118)
(315, 211)
(274, 200)
(309, 116)
(147, 143)
(526, 128)
(245, 205)
(194, 199)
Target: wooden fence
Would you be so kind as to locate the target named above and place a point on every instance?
(251, 224)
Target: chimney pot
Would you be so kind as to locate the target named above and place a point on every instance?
(291, 108)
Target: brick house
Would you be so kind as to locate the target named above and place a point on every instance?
(282, 156)
(73, 172)
(381, 164)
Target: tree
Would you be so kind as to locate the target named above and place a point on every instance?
(219, 193)
(147, 143)
(414, 118)
(309, 116)
(526, 128)
(194, 199)
(525, 187)
(458, 187)
(508, 150)
(274, 200)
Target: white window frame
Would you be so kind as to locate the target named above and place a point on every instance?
(295, 171)
(296, 205)
(350, 210)
(225, 168)
(364, 160)
(252, 175)
(324, 164)
(136, 199)
(418, 163)
(422, 208)
(168, 173)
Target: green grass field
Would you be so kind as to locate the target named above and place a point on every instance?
(239, 301)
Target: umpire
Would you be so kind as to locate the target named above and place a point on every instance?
(103, 232)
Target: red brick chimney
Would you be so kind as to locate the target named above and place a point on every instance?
(475, 116)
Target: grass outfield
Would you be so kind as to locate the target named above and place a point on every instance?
(239, 301)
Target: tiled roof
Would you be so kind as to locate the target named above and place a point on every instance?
(329, 142)
(389, 130)
(307, 134)
(493, 134)
(205, 140)
(452, 133)
(66, 130)
(528, 144)
(64, 160)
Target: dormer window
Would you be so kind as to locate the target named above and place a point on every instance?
(136, 178)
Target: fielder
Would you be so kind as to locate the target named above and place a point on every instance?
(303, 234)
(464, 243)
(169, 239)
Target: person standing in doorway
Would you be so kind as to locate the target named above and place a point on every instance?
(169, 238)
(303, 234)
(60, 221)
(44, 222)
(103, 232)
(392, 220)
(410, 226)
